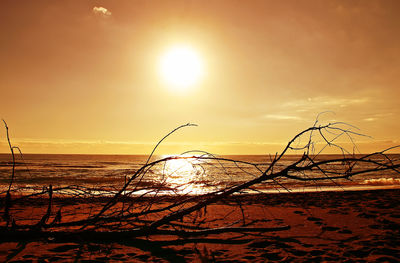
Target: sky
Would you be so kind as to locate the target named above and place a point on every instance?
(83, 76)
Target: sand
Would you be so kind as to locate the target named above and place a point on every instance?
(361, 226)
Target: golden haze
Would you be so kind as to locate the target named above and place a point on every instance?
(80, 79)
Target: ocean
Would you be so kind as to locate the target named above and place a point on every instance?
(108, 173)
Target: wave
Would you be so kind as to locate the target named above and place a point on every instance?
(382, 181)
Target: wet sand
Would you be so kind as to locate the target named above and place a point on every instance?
(362, 226)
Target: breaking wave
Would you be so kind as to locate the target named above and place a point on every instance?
(382, 181)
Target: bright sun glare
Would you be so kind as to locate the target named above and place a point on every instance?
(181, 67)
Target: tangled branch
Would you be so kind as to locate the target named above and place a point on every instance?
(140, 208)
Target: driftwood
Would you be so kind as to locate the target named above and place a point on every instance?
(138, 210)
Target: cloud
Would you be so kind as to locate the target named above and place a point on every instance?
(281, 117)
(101, 11)
(321, 102)
(378, 116)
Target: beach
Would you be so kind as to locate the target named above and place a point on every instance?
(344, 226)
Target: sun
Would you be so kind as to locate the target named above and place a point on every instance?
(181, 67)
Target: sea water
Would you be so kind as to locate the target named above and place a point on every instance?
(192, 175)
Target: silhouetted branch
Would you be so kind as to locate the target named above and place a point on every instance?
(139, 208)
(13, 156)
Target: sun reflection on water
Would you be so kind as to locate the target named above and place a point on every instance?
(184, 176)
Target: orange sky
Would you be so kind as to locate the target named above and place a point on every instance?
(75, 79)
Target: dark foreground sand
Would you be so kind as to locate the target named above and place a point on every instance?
(358, 226)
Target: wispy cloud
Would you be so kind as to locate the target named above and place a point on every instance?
(281, 117)
(378, 116)
(101, 11)
(321, 102)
